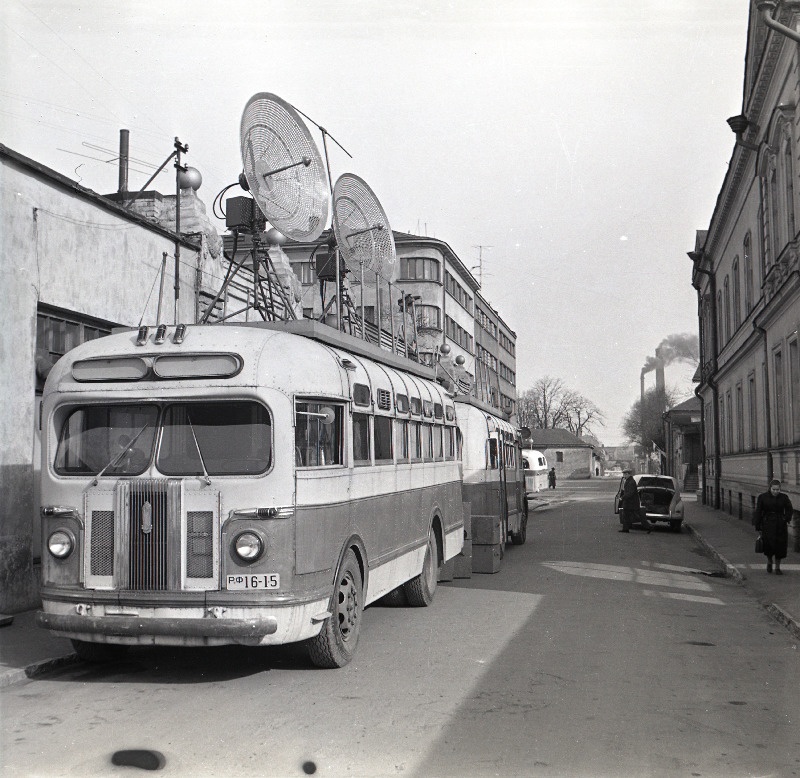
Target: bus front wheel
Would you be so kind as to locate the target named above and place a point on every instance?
(420, 589)
(336, 643)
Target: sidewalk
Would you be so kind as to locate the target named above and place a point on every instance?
(27, 650)
(731, 541)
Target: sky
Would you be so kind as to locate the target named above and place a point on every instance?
(571, 150)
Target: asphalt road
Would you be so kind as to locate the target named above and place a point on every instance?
(592, 653)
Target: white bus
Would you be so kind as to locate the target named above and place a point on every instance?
(256, 484)
(535, 464)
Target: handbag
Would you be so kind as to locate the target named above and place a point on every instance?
(759, 545)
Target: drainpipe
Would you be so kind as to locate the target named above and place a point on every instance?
(697, 258)
(766, 8)
(768, 416)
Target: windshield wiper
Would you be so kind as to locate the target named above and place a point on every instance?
(121, 454)
(197, 446)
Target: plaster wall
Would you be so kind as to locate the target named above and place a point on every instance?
(60, 248)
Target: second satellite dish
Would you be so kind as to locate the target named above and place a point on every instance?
(283, 168)
(362, 230)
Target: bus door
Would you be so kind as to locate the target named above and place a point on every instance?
(503, 491)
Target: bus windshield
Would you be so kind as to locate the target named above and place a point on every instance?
(105, 436)
(229, 438)
(233, 438)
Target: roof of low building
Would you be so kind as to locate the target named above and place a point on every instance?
(555, 437)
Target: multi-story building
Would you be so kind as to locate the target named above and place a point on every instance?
(745, 271)
(445, 308)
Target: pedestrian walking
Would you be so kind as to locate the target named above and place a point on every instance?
(631, 507)
(551, 478)
(771, 519)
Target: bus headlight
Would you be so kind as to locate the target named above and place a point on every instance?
(61, 543)
(248, 546)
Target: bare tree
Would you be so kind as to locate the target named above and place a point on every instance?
(549, 404)
(582, 414)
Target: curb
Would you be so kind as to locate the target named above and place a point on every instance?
(731, 571)
(777, 613)
(36, 669)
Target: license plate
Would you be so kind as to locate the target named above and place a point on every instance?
(260, 581)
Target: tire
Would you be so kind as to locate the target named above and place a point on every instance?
(675, 525)
(98, 653)
(420, 590)
(519, 538)
(335, 645)
(394, 599)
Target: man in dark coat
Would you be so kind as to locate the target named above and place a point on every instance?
(771, 519)
(631, 507)
(551, 478)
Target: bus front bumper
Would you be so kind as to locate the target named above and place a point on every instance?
(230, 630)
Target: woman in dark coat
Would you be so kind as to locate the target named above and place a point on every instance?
(772, 517)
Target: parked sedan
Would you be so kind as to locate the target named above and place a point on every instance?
(660, 499)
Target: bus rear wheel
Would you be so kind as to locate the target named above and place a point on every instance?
(519, 538)
(420, 589)
(335, 645)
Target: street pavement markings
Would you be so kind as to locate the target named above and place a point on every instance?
(684, 597)
(660, 577)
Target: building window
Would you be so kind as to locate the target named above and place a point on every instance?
(457, 292)
(727, 314)
(751, 391)
(737, 295)
(794, 387)
(739, 418)
(429, 317)
(559, 456)
(780, 398)
(729, 418)
(305, 272)
(57, 332)
(788, 176)
(748, 275)
(720, 323)
(458, 335)
(419, 269)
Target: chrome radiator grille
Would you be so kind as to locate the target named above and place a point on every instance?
(152, 537)
(148, 533)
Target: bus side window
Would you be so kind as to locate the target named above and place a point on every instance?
(361, 455)
(383, 440)
(401, 428)
(449, 448)
(493, 461)
(415, 439)
(317, 434)
(427, 440)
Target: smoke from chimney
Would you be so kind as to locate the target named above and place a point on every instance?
(675, 348)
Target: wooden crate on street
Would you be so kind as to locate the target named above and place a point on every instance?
(486, 530)
(446, 571)
(462, 564)
(486, 558)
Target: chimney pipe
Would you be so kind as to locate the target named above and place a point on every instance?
(124, 136)
(641, 381)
